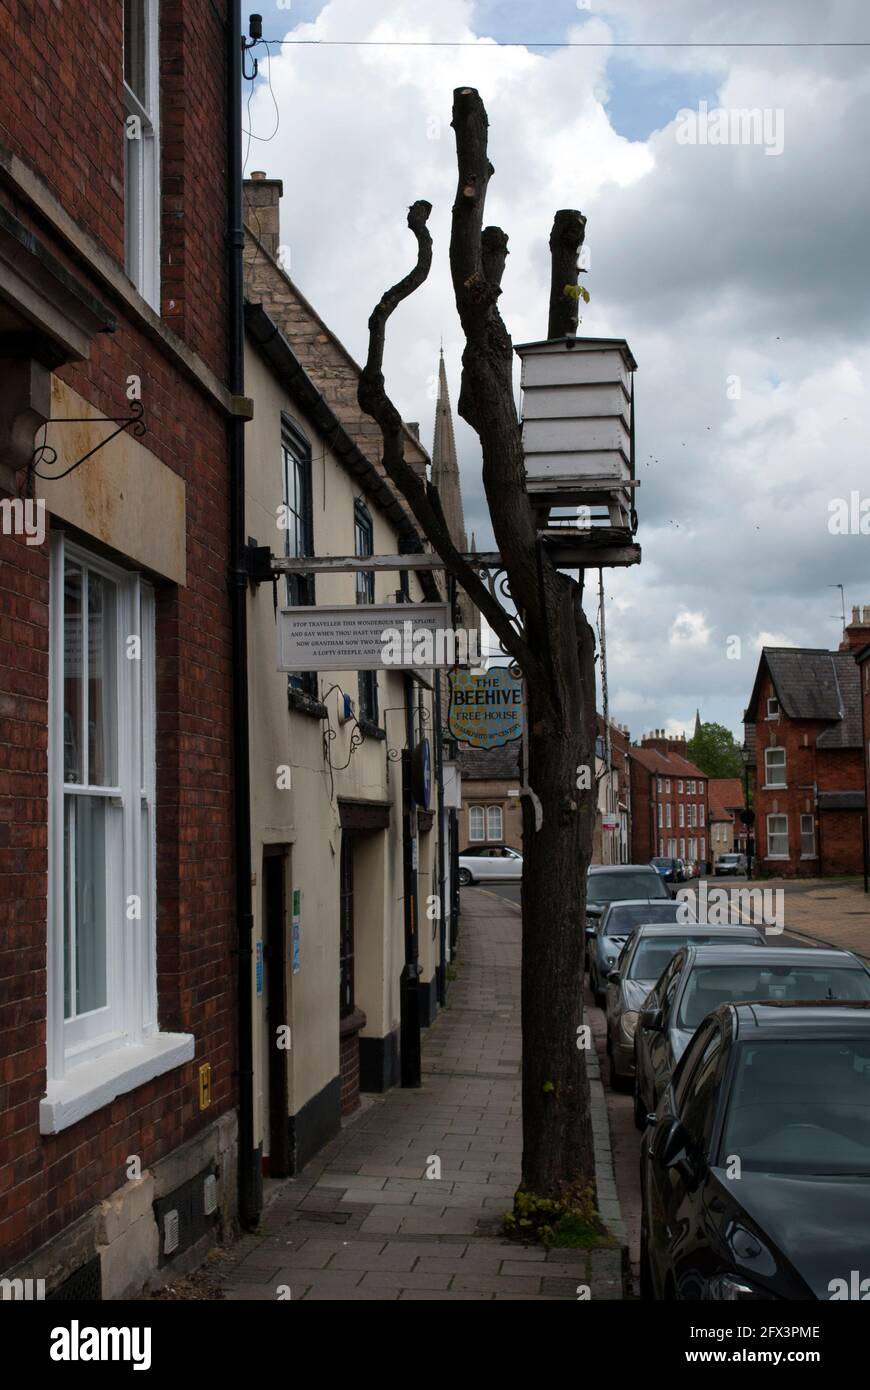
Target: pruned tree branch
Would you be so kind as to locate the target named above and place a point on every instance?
(486, 398)
(421, 495)
(566, 239)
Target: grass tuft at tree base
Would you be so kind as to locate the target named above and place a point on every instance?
(569, 1221)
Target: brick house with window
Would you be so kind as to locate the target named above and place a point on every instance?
(117, 1091)
(803, 723)
(862, 657)
(669, 801)
(727, 831)
(491, 808)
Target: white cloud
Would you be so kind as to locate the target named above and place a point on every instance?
(714, 262)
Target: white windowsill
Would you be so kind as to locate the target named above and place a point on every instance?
(92, 1085)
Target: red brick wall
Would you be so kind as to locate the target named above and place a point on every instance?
(838, 833)
(60, 72)
(646, 836)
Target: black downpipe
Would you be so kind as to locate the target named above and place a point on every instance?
(441, 972)
(410, 1037)
(250, 1172)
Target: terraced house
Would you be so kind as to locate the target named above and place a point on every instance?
(349, 843)
(804, 731)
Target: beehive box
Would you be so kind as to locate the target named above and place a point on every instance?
(577, 416)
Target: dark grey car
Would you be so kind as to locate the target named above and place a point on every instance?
(615, 926)
(700, 978)
(646, 954)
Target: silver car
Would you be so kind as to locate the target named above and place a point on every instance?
(646, 954)
(700, 978)
(730, 864)
(489, 863)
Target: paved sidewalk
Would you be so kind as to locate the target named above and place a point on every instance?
(364, 1222)
(831, 913)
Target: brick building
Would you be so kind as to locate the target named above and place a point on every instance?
(611, 837)
(862, 657)
(727, 832)
(669, 801)
(803, 727)
(117, 1091)
(491, 807)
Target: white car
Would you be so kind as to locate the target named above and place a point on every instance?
(489, 863)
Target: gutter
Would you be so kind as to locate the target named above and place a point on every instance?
(250, 1169)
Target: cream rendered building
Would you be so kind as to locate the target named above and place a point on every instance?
(346, 877)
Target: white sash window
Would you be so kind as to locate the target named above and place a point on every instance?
(102, 979)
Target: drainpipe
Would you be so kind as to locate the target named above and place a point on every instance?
(410, 1044)
(442, 828)
(250, 1174)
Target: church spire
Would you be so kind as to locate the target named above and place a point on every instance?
(445, 465)
(697, 722)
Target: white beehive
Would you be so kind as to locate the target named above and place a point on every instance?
(578, 418)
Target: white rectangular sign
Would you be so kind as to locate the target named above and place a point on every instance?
(367, 637)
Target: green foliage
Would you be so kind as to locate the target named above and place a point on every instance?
(715, 752)
(567, 1222)
(576, 292)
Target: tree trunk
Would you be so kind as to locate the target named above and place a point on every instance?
(555, 650)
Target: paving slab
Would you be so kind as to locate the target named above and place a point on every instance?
(365, 1222)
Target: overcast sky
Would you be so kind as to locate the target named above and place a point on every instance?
(715, 262)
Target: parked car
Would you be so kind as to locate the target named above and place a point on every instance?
(490, 862)
(785, 1090)
(700, 978)
(645, 955)
(616, 924)
(730, 864)
(608, 883)
(671, 870)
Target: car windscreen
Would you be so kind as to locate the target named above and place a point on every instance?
(709, 986)
(801, 1107)
(653, 955)
(624, 918)
(608, 888)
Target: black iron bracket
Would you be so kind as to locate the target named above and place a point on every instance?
(45, 455)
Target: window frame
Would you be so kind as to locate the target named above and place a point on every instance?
(775, 748)
(142, 186)
(364, 544)
(775, 815)
(472, 838)
(131, 955)
(808, 816)
(299, 589)
(499, 838)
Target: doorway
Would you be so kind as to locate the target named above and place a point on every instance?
(276, 1146)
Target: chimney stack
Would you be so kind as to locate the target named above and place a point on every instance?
(857, 632)
(262, 197)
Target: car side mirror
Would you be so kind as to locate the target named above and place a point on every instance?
(673, 1144)
(591, 932)
(651, 1020)
(614, 977)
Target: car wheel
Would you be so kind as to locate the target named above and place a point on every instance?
(465, 878)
